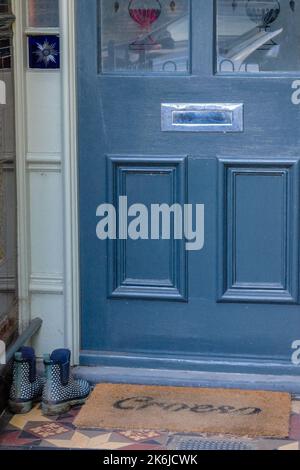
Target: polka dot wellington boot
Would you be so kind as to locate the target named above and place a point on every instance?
(61, 390)
(26, 387)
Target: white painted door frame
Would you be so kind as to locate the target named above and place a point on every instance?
(21, 171)
(71, 320)
(70, 177)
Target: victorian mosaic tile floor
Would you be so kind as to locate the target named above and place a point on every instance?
(33, 430)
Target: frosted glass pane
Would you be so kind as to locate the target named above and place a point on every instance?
(145, 36)
(258, 35)
(43, 13)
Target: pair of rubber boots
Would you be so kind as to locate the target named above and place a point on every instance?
(58, 390)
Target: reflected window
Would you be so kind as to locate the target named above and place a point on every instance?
(4, 6)
(5, 52)
(6, 35)
(144, 36)
(258, 35)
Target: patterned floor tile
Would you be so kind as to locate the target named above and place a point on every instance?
(99, 443)
(163, 438)
(118, 437)
(296, 407)
(20, 421)
(142, 446)
(9, 428)
(140, 436)
(46, 430)
(151, 443)
(8, 436)
(293, 446)
(13, 439)
(295, 427)
(47, 445)
(33, 444)
(70, 416)
(27, 435)
(37, 431)
(92, 432)
(78, 441)
(5, 419)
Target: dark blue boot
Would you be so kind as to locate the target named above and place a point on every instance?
(26, 387)
(61, 390)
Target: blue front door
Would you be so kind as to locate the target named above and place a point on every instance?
(191, 102)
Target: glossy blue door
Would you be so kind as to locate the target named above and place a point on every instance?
(234, 305)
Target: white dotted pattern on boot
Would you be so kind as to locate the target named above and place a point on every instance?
(22, 389)
(54, 391)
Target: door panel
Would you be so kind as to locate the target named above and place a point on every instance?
(235, 303)
(261, 231)
(146, 268)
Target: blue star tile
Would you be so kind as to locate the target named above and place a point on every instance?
(43, 52)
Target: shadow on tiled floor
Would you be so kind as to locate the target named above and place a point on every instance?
(34, 430)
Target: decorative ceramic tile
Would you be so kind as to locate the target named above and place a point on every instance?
(64, 433)
(48, 430)
(47, 445)
(296, 407)
(293, 446)
(5, 419)
(78, 441)
(108, 445)
(151, 442)
(20, 421)
(8, 434)
(90, 433)
(12, 439)
(43, 52)
(34, 431)
(139, 436)
(141, 447)
(104, 442)
(295, 427)
(118, 437)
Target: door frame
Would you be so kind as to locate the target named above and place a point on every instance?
(70, 176)
(117, 361)
(70, 229)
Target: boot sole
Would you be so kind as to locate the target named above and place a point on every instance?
(60, 408)
(20, 408)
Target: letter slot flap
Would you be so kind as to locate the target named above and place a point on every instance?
(202, 117)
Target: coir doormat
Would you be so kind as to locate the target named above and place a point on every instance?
(186, 410)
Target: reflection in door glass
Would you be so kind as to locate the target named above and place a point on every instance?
(258, 35)
(4, 6)
(145, 36)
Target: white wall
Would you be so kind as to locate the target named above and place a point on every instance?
(43, 157)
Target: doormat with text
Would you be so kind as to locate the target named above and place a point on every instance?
(187, 410)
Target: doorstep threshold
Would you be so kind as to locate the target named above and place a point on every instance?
(181, 378)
